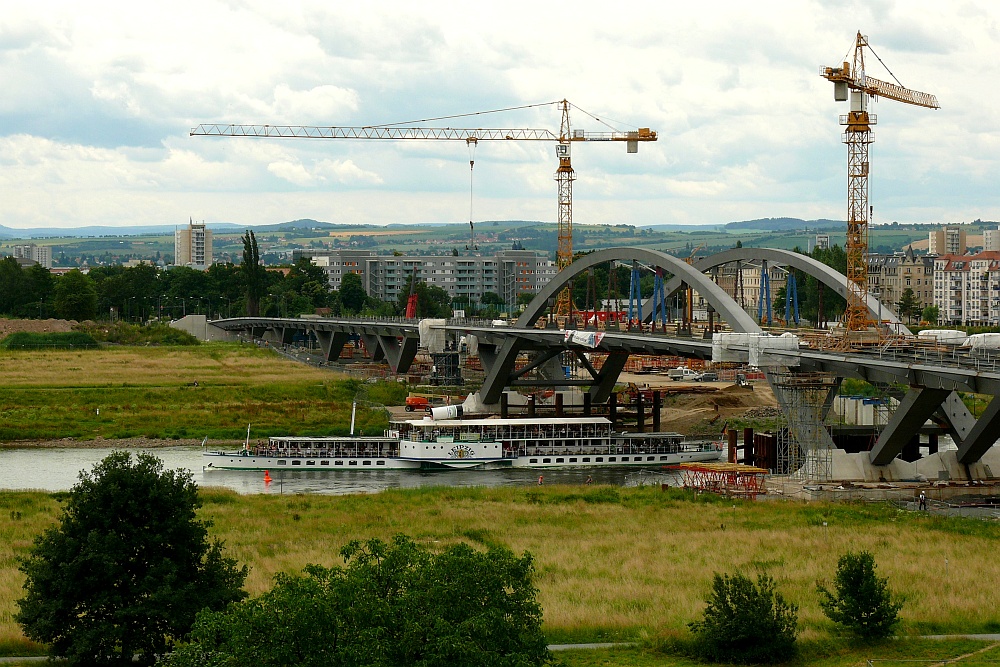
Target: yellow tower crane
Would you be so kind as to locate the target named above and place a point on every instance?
(471, 136)
(851, 77)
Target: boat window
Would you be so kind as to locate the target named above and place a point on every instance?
(611, 459)
(296, 463)
(572, 460)
(599, 459)
(534, 460)
(650, 458)
(546, 460)
(586, 459)
(560, 460)
(338, 463)
(380, 463)
(367, 463)
(324, 463)
(281, 462)
(664, 458)
(352, 463)
(310, 463)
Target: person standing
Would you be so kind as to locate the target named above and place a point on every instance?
(541, 478)
(923, 501)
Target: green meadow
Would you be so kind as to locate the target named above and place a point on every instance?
(613, 564)
(211, 390)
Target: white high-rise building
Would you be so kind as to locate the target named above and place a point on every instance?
(36, 253)
(991, 239)
(193, 246)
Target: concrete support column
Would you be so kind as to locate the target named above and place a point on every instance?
(559, 404)
(749, 456)
(587, 406)
(639, 416)
(906, 421)
(504, 407)
(656, 412)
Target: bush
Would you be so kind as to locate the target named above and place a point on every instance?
(745, 622)
(392, 604)
(861, 601)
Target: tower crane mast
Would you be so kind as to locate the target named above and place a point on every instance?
(401, 132)
(851, 78)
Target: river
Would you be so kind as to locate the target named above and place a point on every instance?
(58, 469)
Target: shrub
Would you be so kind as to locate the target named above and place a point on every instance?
(861, 600)
(745, 622)
(392, 604)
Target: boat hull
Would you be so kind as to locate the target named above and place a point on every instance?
(238, 461)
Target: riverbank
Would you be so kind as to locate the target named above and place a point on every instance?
(612, 563)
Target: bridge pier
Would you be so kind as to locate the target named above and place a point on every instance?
(332, 343)
(906, 422)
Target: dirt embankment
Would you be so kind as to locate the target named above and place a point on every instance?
(705, 414)
(35, 326)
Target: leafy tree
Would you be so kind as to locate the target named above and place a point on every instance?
(13, 284)
(930, 314)
(491, 299)
(75, 296)
(861, 600)
(352, 293)
(392, 604)
(746, 622)
(254, 275)
(908, 305)
(127, 567)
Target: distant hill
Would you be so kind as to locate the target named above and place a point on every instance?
(785, 224)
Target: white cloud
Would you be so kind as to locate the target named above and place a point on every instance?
(99, 99)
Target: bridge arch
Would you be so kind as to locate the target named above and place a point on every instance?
(815, 268)
(723, 304)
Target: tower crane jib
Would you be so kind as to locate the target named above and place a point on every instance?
(405, 132)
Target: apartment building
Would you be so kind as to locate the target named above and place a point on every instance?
(967, 288)
(508, 273)
(40, 254)
(949, 240)
(193, 246)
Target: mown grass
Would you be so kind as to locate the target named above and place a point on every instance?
(613, 564)
(211, 390)
(817, 653)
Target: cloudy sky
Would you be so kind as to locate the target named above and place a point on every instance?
(98, 99)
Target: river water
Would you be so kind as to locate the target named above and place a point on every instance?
(58, 469)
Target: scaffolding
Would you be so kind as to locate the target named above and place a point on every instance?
(804, 447)
(732, 480)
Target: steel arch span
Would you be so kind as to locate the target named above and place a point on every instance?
(500, 361)
(724, 304)
(828, 276)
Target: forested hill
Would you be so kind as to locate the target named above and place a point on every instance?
(786, 224)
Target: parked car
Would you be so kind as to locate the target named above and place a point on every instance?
(707, 376)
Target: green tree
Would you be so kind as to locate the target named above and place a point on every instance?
(861, 600)
(930, 314)
(75, 297)
(127, 568)
(253, 273)
(909, 307)
(13, 284)
(746, 622)
(392, 604)
(352, 293)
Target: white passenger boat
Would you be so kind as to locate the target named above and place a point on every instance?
(472, 443)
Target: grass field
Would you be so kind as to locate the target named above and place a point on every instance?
(127, 392)
(612, 563)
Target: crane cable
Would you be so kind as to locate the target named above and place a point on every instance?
(472, 142)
